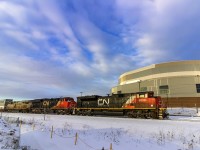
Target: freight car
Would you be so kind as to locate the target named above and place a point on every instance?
(134, 105)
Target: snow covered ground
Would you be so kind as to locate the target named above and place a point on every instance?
(9, 134)
(96, 133)
(184, 111)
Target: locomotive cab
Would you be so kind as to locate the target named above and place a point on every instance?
(141, 100)
(145, 94)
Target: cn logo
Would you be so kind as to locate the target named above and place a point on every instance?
(103, 102)
(46, 103)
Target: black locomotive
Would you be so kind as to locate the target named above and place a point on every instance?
(136, 105)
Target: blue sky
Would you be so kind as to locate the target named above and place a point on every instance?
(51, 48)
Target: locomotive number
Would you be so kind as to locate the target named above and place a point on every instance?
(142, 100)
(103, 102)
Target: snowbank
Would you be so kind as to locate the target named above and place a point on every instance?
(9, 135)
(184, 111)
(94, 133)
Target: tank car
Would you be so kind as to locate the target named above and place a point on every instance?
(134, 105)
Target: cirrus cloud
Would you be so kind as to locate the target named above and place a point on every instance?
(50, 49)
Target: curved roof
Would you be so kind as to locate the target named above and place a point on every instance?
(167, 69)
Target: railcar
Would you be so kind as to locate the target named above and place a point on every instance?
(134, 105)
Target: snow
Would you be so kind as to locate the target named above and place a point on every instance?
(9, 135)
(116, 133)
(184, 111)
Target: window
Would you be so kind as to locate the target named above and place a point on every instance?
(143, 89)
(198, 88)
(119, 92)
(164, 89)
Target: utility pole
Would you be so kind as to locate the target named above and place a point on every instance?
(139, 85)
(167, 99)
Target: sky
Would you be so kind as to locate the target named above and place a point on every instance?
(53, 48)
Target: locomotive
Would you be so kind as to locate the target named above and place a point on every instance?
(62, 105)
(133, 105)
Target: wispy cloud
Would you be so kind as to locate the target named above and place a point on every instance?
(50, 49)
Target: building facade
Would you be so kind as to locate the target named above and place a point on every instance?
(176, 82)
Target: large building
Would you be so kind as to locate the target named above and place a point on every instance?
(176, 82)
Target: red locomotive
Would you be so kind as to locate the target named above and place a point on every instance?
(64, 106)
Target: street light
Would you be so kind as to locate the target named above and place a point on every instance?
(139, 81)
(81, 93)
(167, 100)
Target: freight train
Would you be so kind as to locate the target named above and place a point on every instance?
(63, 105)
(133, 105)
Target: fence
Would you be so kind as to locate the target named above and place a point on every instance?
(76, 138)
(19, 123)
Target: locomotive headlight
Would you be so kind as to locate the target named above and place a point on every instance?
(151, 105)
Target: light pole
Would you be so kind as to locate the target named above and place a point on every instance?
(139, 85)
(167, 99)
(81, 93)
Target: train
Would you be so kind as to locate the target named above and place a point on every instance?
(132, 105)
(62, 105)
